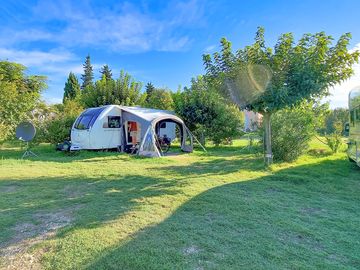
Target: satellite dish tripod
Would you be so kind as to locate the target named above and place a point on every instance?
(25, 132)
(28, 152)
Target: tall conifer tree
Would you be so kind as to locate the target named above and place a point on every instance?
(149, 88)
(105, 70)
(88, 75)
(72, 87)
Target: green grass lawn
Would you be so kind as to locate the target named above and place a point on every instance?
(215, 210)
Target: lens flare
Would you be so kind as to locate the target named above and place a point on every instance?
(247, 83)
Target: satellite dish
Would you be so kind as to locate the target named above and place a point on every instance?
(26, 131)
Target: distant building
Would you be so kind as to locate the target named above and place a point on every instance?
(252, 120)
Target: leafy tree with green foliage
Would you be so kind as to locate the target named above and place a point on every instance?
(123, 91)
(149, 89)
(160, 99)
(19, 95)
(264, 80)
(206, 113)
(106, 71)
(72, 88)
(88, 76)
(4, 132)
(332, 120)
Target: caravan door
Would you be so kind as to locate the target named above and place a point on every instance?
(80, 132)
(132, 132)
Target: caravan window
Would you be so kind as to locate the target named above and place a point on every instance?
(88, 118)
(352, 118)
(114, 122)
(357, 115)
(83, 122)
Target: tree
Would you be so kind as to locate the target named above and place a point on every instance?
(206, 113)
(149, 88)
(264, 80)
(72, 87)
(19, 95)
(336, 116)
(123, 91)
(88, 75)
(160, 99)
(106, 71)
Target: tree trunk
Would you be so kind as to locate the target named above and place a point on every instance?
(268, 157)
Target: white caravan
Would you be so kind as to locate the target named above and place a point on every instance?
(122, 127)
(353, 128)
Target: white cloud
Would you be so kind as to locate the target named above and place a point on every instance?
(122, 28)
(36, 58)
(9, 37)
(209, 49)
(340, 92)
(57, 62)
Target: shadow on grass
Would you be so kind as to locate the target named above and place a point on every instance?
(46, 152)
(216, 166)
(301, 217)
(49, 154)
(81, 202)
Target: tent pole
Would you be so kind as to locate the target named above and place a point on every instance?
(196, 139)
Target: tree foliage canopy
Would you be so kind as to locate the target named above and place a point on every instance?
(122, 91)
(206, 113)
(266, 80)
(19, 95)
(72, 87)
(336, 116)
(159, 98)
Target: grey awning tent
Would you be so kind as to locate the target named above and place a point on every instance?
(148, 118)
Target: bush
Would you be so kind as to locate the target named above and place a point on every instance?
(334, 140)
(339, 116)
(292, 129)
(57, 128)
(227, 124)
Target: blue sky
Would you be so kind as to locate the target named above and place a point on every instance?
(157, 41)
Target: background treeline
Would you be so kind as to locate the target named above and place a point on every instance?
(204, 110)
(208, 113)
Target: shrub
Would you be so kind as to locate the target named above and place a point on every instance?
(334, 140)
(227, 124)
(334, 117)
(292, 129)
(57, 128)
